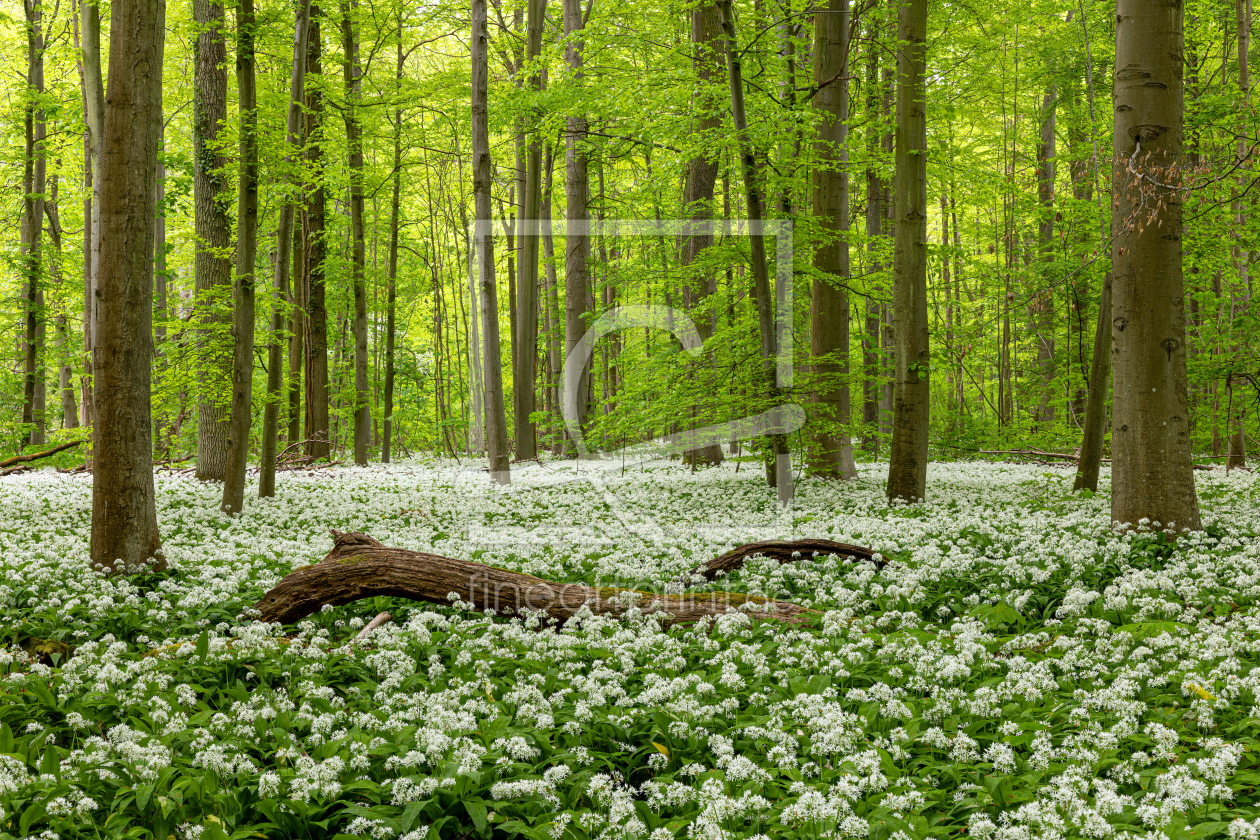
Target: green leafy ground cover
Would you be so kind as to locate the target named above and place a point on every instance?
(1016, 671)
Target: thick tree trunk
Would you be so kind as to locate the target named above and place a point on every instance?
(124, 514)
(709, 65)
(483, 248)
(779, 470)
(831, 455)
(360, 567)
(284, 242)
(391, 291)
(212, 263)
(577, 188)
(358, 247)
(525, 367)
(1151, 474)
(1096, 399)
(907, 469)
(316, 251)
(246, 254)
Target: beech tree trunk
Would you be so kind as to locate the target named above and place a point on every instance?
(94, 116)
(124, 514)
(284, 243)
(1043, 302)
(483, 247)
(525, 367)
(831, 454)
(34, 184)
(1096, 399)
(358, 246)
(1151, 474)
(577, 188)
(69, 405)
(212, 222)
(360, 567)
(779, 469)
(1241, 297)
(709, 63)
(387, 432)
(316, 251)
(907, 468)
(877, 106)
(246, 254)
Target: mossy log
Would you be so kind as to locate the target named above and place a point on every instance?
(784, 551)
(361, 567)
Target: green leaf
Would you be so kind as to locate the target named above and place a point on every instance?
(203, 644)
(477, 810)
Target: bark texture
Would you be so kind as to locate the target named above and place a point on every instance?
(784, 551)
(124, 515)
(488, 298)
(212, 260)
(1096, 399)
(358, 246)
(577, 188)
(831, 454)
(316, 251)
(907, 468)
(360, 567)
(1151, 474)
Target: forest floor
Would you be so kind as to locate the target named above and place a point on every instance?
(1016, 670)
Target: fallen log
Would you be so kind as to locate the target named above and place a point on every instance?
(785, 551)
(361, 567)
(35, 456)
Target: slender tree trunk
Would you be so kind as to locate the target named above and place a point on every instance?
(69, 405)
(832, 451)
(354, 144)
(876, 212)
(34, 183)
(577, 188)
(160, 288)
(124, 512)
(391, 291)
(483, 248)
(94, 116)
(1096, 398)
(316, 249)
(907, 469)
(525, 368)
(284, 241)
(779, 470)
(1151, 475)
(1043, 301)
(297, 326)
(246, 258)
(212, 263)
(1241, 298)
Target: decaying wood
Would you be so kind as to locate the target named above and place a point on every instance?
(785, 551)
(361, 567)
(35, 456)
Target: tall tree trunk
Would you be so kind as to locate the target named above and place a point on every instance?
(525, 365)
(34, 183)
(212, 263)
(907, 468)
(832, 453)
(876, 213)
(577, 188)
(1241, 297)
(94, 116)
(483, 247)
(69, 405)
(354, 149)
(1096, 398)
(124, 513)
(246, 258)
(1043, 300)
(709, 65)
(284, 242)
(297, 325)
(1151, 475)
(160, 288)
(779, 469)
(316, 252)
(391, 291)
